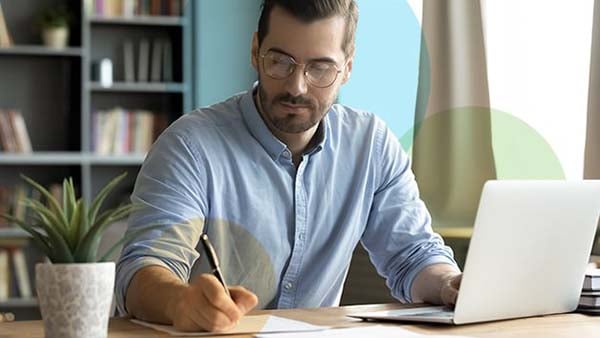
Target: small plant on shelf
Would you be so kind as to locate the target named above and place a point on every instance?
(55, 22)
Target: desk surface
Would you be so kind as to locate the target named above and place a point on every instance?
(564, 325)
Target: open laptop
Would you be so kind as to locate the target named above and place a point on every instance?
(527, 257)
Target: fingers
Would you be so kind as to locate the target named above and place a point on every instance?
(449, 290)
(206, 306)
(243, 298)
(215, 294)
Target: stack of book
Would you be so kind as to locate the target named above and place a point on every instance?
(119, 132)
(128, 8)
(14, 137)
(589, 302)
(154, 60)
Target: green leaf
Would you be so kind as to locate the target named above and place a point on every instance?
(45, 215)
(53, 202)
(97, 203)
(69, 198)
(125, 238)
(75, 225)
(88, 247)
(60, 252)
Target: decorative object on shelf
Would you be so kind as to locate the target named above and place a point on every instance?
(55, 27)
(106, 73)
(75, 290)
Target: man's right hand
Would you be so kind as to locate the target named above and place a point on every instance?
(204, 305)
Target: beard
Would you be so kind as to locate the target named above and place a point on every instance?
(291, 123)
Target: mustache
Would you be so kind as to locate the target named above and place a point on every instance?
(295, 100)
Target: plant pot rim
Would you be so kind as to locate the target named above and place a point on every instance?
(74, 264)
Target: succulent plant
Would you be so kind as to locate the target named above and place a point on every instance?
(71, 232)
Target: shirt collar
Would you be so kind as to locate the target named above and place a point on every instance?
(261, 132)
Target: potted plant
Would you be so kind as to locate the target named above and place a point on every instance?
(75, 290)
(55, 27)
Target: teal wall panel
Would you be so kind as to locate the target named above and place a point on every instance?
(386, 64)
(222, 38)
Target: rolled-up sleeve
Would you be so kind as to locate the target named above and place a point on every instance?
(170, 188)
(398, 236)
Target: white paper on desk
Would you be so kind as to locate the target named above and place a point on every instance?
(247, 325)
(357, 332)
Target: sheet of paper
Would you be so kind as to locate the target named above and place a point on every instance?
(357, 332)
(247, 325)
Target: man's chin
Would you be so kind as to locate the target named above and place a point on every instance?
(292, 128)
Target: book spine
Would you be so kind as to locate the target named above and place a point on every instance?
(4, 275)
(20, 267)
(5, 39)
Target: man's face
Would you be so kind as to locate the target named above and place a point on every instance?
(292, 105)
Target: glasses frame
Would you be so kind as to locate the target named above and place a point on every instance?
(304, 70)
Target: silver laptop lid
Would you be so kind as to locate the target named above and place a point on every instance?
(529, 249)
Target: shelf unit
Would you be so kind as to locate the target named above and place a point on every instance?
(55, 92)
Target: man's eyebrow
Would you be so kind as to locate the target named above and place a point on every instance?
(321, 59)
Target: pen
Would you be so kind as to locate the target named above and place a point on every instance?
(213, 261)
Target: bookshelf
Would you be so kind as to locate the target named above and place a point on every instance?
(57, 93)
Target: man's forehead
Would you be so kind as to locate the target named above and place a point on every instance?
(319, 39)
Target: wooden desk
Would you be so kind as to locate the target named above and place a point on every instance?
(565, 325)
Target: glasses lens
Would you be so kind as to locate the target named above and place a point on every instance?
(277, 65)
(321, 74)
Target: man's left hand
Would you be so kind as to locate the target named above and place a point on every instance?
(449, 289)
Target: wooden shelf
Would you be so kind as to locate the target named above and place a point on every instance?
(13, 232)
(129, 159)
(41, 158)
(19, 302)
(69, 158)
(139, 20)
(139, 87)
(38, 50)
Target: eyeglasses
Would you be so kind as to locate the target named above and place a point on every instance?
(321, 74)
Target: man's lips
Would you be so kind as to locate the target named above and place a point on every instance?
(294, 107)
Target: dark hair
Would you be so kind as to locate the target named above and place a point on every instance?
(310, 11)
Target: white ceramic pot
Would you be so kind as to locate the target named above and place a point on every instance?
(56, 37)
(75, 299)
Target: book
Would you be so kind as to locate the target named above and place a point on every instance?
(155, 74)
(4, 275)
(7, 136)
(175, 7)
(167, 58)
(23, 143)
(592, 280)
(128, 63)
(143, 60)
(128, 10)
(21, 272)
(589, 301)
(5, 39)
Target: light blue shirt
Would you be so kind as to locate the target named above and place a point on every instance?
(285, 233)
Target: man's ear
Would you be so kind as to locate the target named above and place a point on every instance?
(348, 70)
(254, 51)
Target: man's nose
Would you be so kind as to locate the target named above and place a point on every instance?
(296, 83)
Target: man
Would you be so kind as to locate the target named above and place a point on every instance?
(286, 184)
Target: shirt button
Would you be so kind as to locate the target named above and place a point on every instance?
(288, 285)
(301, 237)
(286, 154)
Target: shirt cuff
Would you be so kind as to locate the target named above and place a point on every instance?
(405, 293)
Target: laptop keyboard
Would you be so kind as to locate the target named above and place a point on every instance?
(444, 314)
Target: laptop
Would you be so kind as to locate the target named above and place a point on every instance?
(527, 257)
